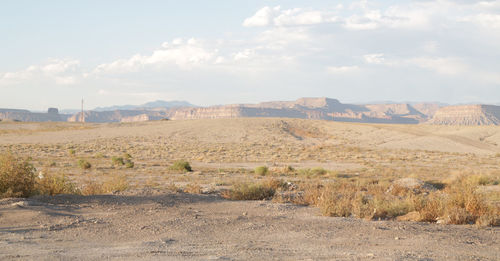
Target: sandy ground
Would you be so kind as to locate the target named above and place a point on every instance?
(147, 222)
(460, 139)
(150, 225)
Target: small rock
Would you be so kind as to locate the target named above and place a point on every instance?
(22, 203)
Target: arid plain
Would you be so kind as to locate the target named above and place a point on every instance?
(149, 210)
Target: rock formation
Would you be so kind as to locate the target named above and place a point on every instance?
(25, 115)
(118, 116)
(303, 108)
(467, 115)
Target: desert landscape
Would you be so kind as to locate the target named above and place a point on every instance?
(250, 130)
(254, 188)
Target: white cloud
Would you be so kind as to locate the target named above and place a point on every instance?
(370, 15)
(281, 37)
(262, 17)
(485, 20)
(245, 54)
(441, 65)
(61, 72)
(342, 69)
(183, 54)
(357, 22)
(374, 58)
(290, 17)
(413, 16)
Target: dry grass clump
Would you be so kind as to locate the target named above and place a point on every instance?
(370, 201)
(117, 161)
(261, 170)
(253, 191)
(121, 161)
(458, 203)
(174, 188)
(193, 189)
(83, 164)
(17, 177)
(111, 184)
(181, 165)
(54, 184)
(312, 172)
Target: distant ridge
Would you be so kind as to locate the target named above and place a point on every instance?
(469, 115)
(149, 105)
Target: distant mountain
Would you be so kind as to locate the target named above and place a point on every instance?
(149, 105)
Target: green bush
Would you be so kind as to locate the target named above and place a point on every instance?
(248, 191)
(17, 177)
(83, 164)
(129, 164)
(261, 170)
(181, 165)
(125, 160)
(118, 161)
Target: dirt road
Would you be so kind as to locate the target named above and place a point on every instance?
(150, 225)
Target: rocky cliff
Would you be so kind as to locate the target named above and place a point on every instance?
(308, 108)
(303, 108)
(25, 115)
(467, 115)
(118, 116)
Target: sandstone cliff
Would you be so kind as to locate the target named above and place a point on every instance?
(467, 115)
(118, 116)
(303, 108)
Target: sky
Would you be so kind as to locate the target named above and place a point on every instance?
(54, 52)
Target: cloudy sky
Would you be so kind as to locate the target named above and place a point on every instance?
(53, 52)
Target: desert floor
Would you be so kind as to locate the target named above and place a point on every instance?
(152, 219)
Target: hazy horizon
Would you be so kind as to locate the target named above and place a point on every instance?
(214, 52)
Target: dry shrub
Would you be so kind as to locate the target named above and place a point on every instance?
(17, 177)
(459, 203)
(83, 164)
(181, 165)
(276, 184)
(312, 173)
(491, 218)
(430, 208)
(359, 199)
(111, 184)
(117, 161)
(54, 184)
(174, 188)
(261, 170)
(477, 179)
(193, 189)
(249, 191)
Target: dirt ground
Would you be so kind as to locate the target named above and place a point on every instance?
(152, 225)
(150, 222)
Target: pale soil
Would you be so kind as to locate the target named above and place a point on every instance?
(150, 225)
(146, 222)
